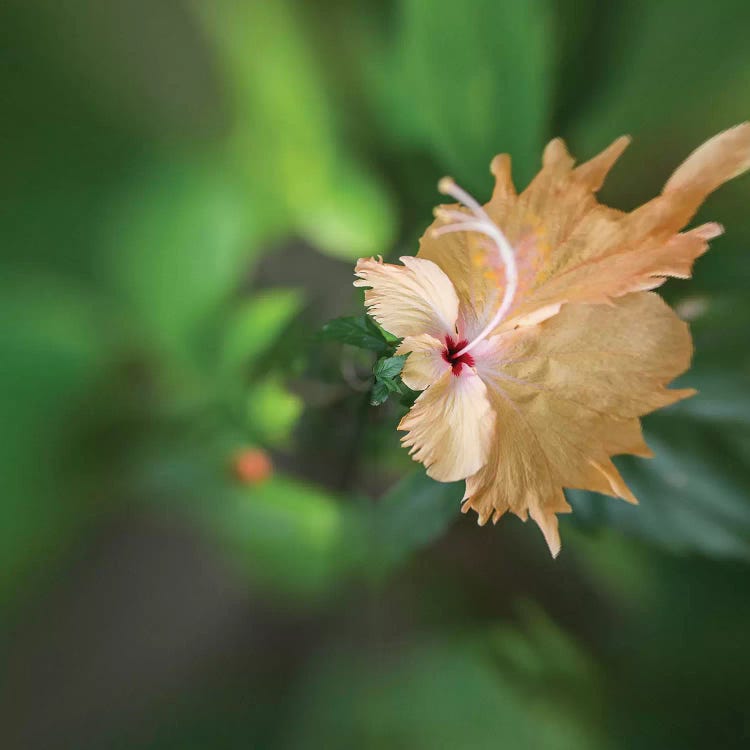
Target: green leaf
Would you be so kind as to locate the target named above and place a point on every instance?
(723, 397)
(272, 412)
(693, 493)
(360, 331)
(286, 535)
(410, 516)
(178, 239)
(55, 345)
(380, 393)
(650, 88)
(668, 115)
(283, 127)
(388, 368)
(286, 136)
(417, 694)
(351, 219)
(468, 84)
(256, 324)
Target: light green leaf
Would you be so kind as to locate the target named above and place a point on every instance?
(285, 134)
(272, 412)
(283, 131)
(352, 217)
(286, 535)
(256, 324)
(177, 243)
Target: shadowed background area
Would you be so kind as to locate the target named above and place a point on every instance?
(208, 537)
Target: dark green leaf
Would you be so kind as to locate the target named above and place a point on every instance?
(54, 348)
(388, 368)
(407, 395)
(394, 386)
(722, 397)
(649, 88)
(421, 693)
(668, 116)
(411, 515)
(693, 493)
(360, 331)
(386, 371)
(379, 394)
(467, 84)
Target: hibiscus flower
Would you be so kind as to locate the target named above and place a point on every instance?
(532, 332)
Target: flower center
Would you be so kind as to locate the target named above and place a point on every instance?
(453, 358)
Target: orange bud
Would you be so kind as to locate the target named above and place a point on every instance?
(252, 465)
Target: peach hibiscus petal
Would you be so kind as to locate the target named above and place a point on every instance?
(426, 361)
(593, 172)
(450, 425)
(567, 396)
(411, 299)
(570, 248)
(721, 158)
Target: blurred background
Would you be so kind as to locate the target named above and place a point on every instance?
(208, 537)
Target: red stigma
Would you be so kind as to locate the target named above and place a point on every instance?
(449, 355)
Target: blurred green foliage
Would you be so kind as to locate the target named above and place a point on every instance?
(285, 136)
(458, 82)
(53, 355)
(407, 698)
(186, 187)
